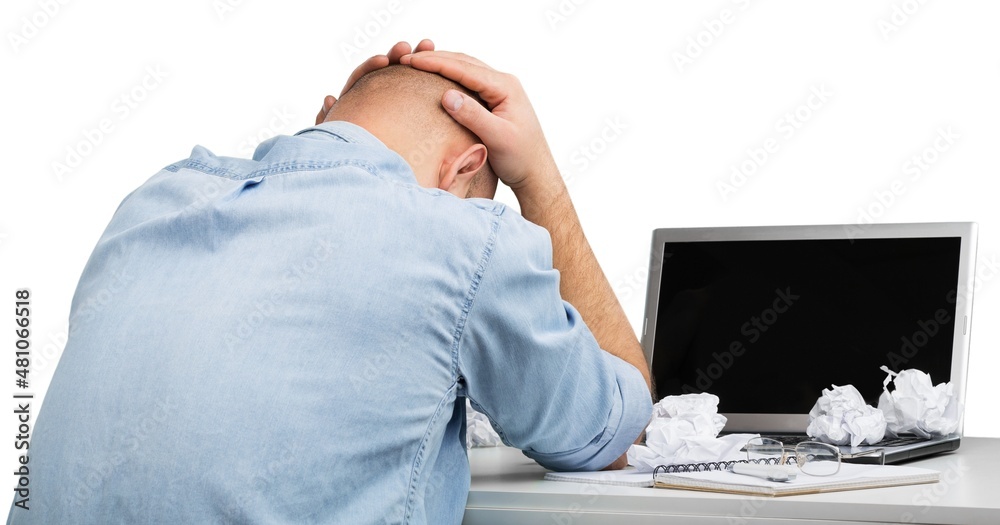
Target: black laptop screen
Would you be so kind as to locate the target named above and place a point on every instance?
(766, 325)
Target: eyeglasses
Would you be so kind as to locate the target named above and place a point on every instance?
(812, 457)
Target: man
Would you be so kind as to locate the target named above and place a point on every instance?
(288, 338)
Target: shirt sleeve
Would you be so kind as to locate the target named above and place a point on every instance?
(533, 367)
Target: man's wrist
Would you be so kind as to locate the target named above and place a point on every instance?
(540, 192)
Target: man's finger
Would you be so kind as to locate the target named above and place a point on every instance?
(472, 115)
(405, 59)
(402, 49)
(457, 56)
(323, 110)
(424, 45)
(398, 50)
(491, 85)
(328, 103)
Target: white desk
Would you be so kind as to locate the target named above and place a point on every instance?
(508, 488)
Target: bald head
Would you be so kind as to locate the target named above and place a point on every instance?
(413, 95)
(402, 107)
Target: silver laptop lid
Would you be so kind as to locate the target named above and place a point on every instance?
(766, 317)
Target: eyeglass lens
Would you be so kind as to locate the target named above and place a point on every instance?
(817, 459)
(813, 458)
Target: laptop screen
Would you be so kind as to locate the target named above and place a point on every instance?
(766, 325)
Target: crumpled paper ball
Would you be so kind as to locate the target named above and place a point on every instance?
(478, 430)
(841, 416)
(916, 405)
(684, 429)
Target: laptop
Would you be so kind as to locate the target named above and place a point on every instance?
(767, 317)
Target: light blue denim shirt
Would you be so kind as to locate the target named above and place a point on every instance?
(287, 339)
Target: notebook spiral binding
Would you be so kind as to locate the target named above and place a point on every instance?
(715, 465)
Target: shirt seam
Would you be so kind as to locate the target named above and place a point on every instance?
(484, 260)
(418, 460)
(477, 279)
(292, 168)
(271, 169)
(470, 297)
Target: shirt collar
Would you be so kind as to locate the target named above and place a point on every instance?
(386, 161)
(342, 131)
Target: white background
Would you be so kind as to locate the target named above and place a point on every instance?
(644, 107)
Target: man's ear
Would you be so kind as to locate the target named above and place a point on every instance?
(457, 172)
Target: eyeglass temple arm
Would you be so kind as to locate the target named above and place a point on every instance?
(863, 453)
(877, 455)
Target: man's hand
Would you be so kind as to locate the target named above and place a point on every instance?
(376, 62)
(522, 160)
(518, 152)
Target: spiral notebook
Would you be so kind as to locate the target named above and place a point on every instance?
(630, 477)
(713, 477)
(850, 477)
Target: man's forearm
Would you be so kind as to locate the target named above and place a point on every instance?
(582, 282)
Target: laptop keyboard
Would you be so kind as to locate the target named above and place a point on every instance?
(887, 442)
